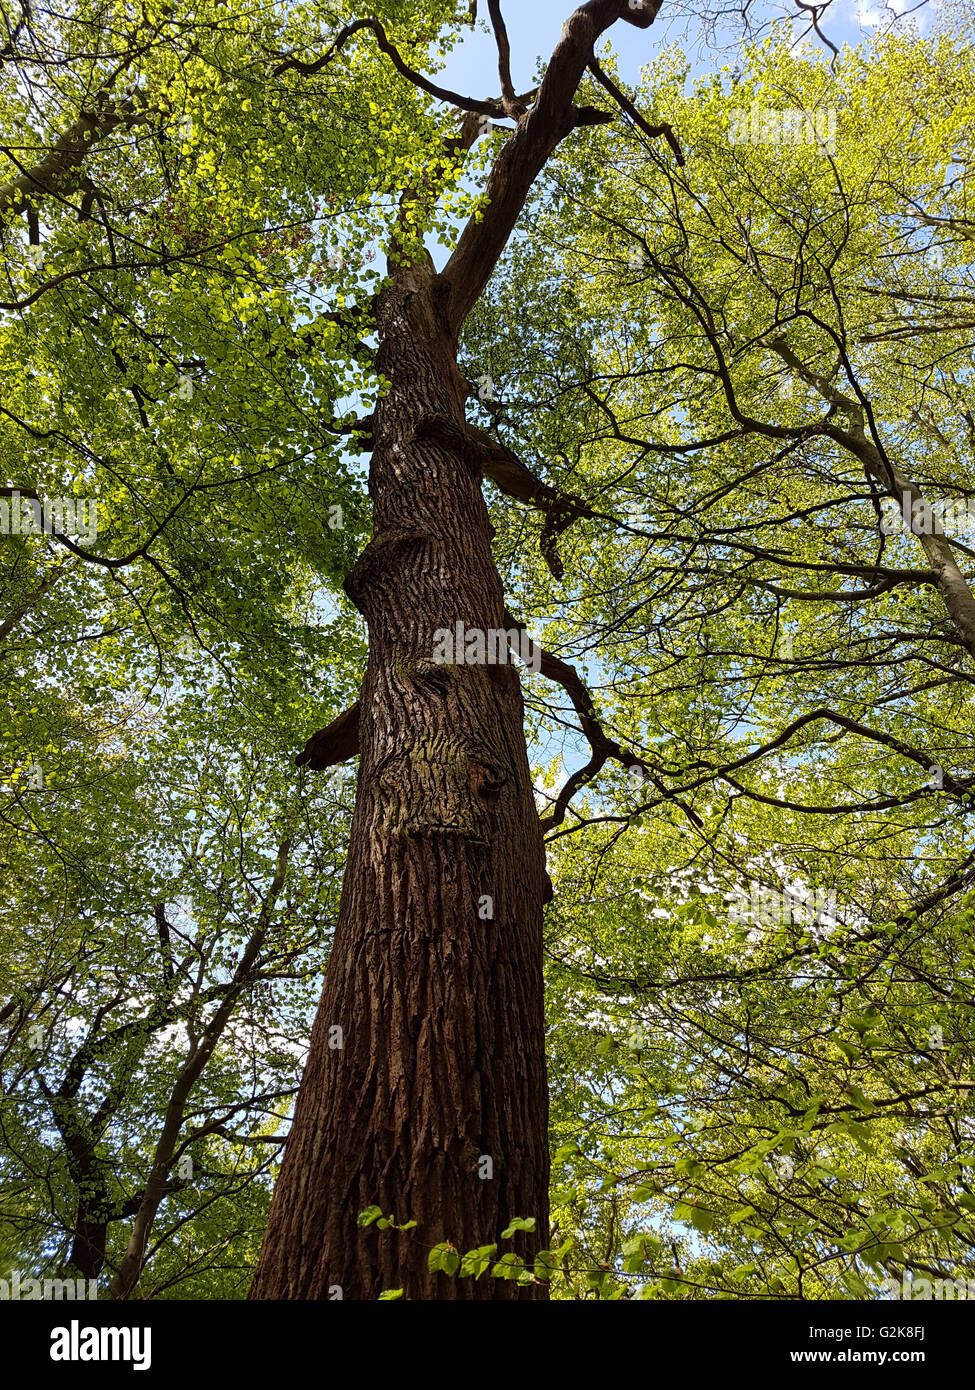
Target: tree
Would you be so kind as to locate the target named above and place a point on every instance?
(165, 915)
(166, 888)
(435, 1107)
(446, 815)
(715, 537)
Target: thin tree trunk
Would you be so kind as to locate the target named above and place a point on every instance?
(431, 1102)
(160, 1181)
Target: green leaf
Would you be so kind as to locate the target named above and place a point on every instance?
(545, 1265)
(475, 1262)
(510, 1266)
(520, 1223)
(444, 1259)
(566, 1151)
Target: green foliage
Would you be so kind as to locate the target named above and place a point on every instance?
(770, 1101)
(760, 953)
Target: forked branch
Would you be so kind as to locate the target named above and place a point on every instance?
(604, 749)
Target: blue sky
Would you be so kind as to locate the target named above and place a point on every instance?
(533, 28)
(534, 25)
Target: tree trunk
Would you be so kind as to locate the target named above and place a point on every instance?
(431, 1101)
(88, 1244)
(424, 1092)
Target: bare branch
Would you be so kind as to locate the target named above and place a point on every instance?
(525, 154)
(604, 749)
(484, 108)
(513, 107)
(514, 478)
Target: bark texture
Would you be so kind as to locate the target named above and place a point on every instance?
(87, 1254)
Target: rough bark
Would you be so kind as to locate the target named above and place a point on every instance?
(88, 1244)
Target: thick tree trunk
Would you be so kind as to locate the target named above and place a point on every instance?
(431, 1101)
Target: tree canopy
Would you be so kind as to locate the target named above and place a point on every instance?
(720, 392)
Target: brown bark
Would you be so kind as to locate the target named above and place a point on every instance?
(424, 1092)
(336, 744)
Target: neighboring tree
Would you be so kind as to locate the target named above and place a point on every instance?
(164, 919)
(168, 886)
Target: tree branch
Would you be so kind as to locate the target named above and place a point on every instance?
(623, 101)
(334, 744)
(538, 133)
(159, 1182)
(604, 749)
(514, 478)
(60, 172)
(512, 106)
(484, 108)
(952, 584)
